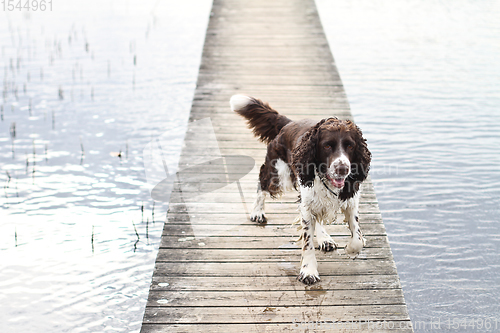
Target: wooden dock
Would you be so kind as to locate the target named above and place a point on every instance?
(218, 272)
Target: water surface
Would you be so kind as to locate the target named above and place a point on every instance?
(87, 85)
(423, 79)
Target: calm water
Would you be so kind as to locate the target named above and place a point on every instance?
(104, 77)
(423, 80)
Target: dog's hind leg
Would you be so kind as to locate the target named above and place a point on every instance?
(258, 214)
(268, 185)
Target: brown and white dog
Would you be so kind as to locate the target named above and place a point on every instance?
(325, 160)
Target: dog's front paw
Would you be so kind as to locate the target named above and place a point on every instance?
(308, 276)
(354, 247)
(308, 279)
(258, 217)
(328, 246)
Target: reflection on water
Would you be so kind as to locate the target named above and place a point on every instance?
(84, 89)
(423, 81)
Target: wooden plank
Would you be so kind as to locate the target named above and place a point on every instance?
(298, 326)
(234, 205)
(237, 242)
(296, 112)
(246, 314)
(226, 195)
(244, 230)
(274, 80)
(274, 298)
(227, 89)
(274, 219)
(256, 255)
(253, 242)
(290, 268)
(207, 208)
(259, 283)
(273, 96)
(248, 184)
(273, 208)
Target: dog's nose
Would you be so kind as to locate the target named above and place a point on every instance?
(342, 170)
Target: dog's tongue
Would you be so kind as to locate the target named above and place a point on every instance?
(337, 182)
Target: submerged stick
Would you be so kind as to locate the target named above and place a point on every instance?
(34, 161)
(137, 234)
(13, 130)
(6, 186)
(83, 151)
(34, 152)
(142, 212)
(135, 229)
(153, 213)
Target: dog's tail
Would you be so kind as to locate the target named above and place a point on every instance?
(265, 122)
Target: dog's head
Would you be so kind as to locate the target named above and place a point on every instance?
(336, 151)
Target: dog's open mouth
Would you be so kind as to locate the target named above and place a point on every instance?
(337, 182)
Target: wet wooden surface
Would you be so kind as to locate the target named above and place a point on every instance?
(216, 271)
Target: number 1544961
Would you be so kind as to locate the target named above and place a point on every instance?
(26, 5)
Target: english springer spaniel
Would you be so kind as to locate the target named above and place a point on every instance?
(326, 160)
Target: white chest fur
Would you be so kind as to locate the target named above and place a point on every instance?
(318, 203)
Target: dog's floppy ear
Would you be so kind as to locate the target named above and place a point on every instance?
(360, 165)
(304, 161)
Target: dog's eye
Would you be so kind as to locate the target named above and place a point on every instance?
(327, 147)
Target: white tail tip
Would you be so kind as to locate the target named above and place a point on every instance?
(238, 102)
